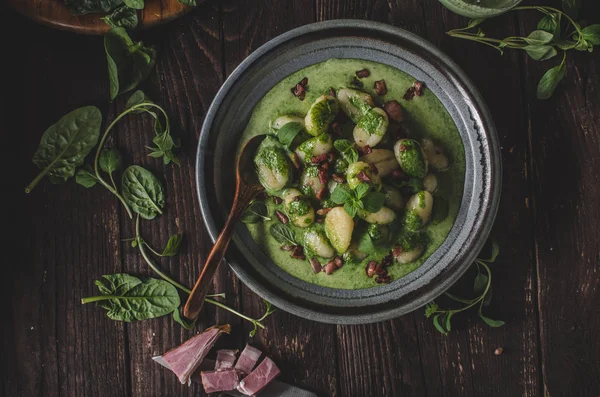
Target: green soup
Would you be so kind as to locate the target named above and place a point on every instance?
(424, 116)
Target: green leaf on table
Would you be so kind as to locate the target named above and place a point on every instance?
(539, 37)
(547, 23)
(85, 176)
(437, 325)
(143, 192)
(138, 98)
(136, 4)
(181, 320)
(110, 160)
(173, 245)
(494, 250)
(283, 234)
(65, 144)
(447, 321)
(541, 52)
(347, 150)
(80, 7)
(430, 309)
(490, 322)
(164, 147)
(565, 44)
(122, 16)
(373, 201)
(550, 80)
(256, 212)
(288, 132)
(127, 298)
(480, 283)
(129, 63)
(571, 7)
(591, 34)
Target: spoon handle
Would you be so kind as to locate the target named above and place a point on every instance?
(195, 301)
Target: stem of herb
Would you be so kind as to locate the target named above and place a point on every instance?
(38, 178)
(222, 306)
(153, 250)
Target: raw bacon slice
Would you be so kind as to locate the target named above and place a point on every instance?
(259, 378)
(223, 380)
(248, 359)
(183, 360)
(225, 359)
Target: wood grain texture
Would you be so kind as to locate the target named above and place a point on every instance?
(55, 14)
(565, 140)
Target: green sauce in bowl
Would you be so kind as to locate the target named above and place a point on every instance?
(480, 8)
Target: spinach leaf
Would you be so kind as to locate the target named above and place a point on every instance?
(541, 52)
(80, 7)
(122, 17)
(129, 63)
(85, 176)
(184, 322)
(164, 146)
(591, 34)
(283, 234)
(539, 37)
(550, 80)
(110, 160)
(172, 247)
(346, 150)
(65, 144)
(143, 192)
(373, 201)
(127, 298)
(256, 212)
(136, 4)
(288, 132)
(138, 98)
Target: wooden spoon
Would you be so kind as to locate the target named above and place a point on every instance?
(247, 187)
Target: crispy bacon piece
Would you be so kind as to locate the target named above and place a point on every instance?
(258, 379)
(415, 90)
(394, 111)
(299, 91)
(397, 250)
(315, 264)
(322, 173)
(183, 360)
(383, 279)
(380, 87)
(319, 159)
(338, 178)
(361, 74)
(247, 359)
(330, 267)
(339, 262)
(282, 217)
(363, 177)
(323, 211)
(321, 194)
(387, 260)
(277, 200)
(304, 81)
(370, 270)
(298, 252)
(364, 150)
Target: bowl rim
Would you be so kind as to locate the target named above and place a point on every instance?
(491, 201)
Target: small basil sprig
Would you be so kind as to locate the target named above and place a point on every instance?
(283, 234)
(347, 150)
(65, 144)
(551, 36)
(358, 199)
(171, 248)
(288, 133)
(482, 288)
(256, 212)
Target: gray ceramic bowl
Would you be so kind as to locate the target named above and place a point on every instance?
(318, 42)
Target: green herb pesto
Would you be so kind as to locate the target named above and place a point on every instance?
(372, 122)
(298, 208)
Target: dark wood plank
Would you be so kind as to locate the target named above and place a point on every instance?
(68, 235)
(462, 363)
(304, 350)
(187, 76)
(565, 139)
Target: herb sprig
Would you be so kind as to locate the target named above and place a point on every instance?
(358, 199)
(482, 287)
(556, 31)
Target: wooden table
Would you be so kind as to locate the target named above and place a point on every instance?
(63, 237)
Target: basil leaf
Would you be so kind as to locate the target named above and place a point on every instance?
(172, 247)
(539, 37)
(447, 321)
(191, 3)
(550, 80)
(143, 192)
(256, 212)
(129, 63)
(127, 298)
(361, 190)
(541, 52)
(547, 23)
(438, 326)
(137, 4)
(283, 234)
(288, 132)
(430, 309)
(592, 34)
(85, 177)
(571, 7)
(346, 150)
(373, 201)
(80, 7)
(164, 147)
(490, 322)
(137, 98)
(122, 16)
(350, 208)
(179, 319)
(480, 282)
(365, 243)
(65, 144)
(110, 160)
(341, 195)
(565, 44)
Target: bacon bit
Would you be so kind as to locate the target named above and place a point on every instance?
(374, 169)
(287, 247)
(387, 260)
(394, 111)
(316, 266)
(298, 252)
(336, 128)
(325, 165)
(330, 267)
(338, 178)
(339, 262)
(383, 279)
(371, 266)
(322, 173)
(277, 200)
(304, 82)
(319, 159)
(397, 250)
(282, 217)
(363, 73)
(332, 92)
(321, 194)
(364, 150)
(402, 148)
(299, 91)
(323, 211)
(381, 271)
(363, 177)
(416, 89)
(296, 161)
(380, 87)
